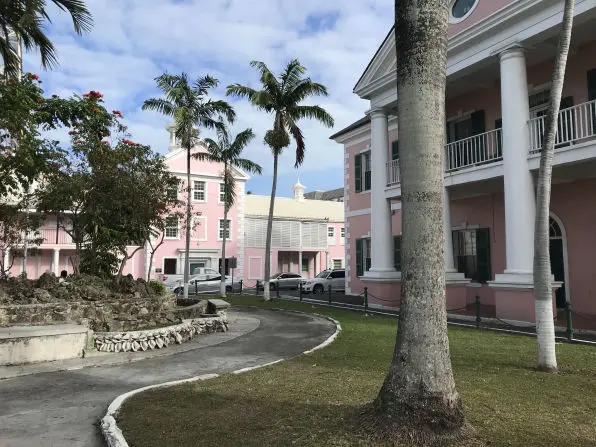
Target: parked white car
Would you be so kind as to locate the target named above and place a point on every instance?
(172, 281)
(336, 278)
(207, 284)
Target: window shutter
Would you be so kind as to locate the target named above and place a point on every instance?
(359, 257)
(367, 180)
(358, 172)
(478, 125)
(483, 254)
(592, 84)
(566, 123)
(499, 125)
(395, 150)
(397, 253)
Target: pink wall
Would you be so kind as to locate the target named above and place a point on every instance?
(482, 11)
(355, 200)
(573, 203)
(489, 99)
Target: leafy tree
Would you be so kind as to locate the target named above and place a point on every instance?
(17, 231)
(229, 153)
(64, 191)
(543, 293)
(418, 400)
(23, 21)
(192, 111)
(128, 219)
(283, 98)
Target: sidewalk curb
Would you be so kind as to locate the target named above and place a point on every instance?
(113, 434)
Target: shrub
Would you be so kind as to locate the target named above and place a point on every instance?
(158, 287)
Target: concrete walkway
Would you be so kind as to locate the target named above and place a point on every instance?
(60, 409)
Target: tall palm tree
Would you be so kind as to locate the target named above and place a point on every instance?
(191, 110)
(418, 397)
(23, 20)
(543, 294)
(228, 153)
(282, 97)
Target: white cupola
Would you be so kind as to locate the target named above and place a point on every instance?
(173, 144)
(298, 191)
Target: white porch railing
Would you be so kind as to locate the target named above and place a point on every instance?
(575, 123)
(476, 150)
(393, 172)
(49, 236)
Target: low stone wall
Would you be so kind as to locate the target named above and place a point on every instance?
(158, 338)
(112, 315)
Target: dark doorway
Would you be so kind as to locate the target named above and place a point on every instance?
(169, 266)
(557, 261)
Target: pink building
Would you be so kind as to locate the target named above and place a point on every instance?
(308, 235)
(500, 61)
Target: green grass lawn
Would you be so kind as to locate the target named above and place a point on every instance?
(315, 399)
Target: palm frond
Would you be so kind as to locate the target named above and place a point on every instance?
(82, 19)
(311, 112)
(304, 89)
(292, 75)
(213, 153)
(160, 105)
(241, 91)
(241, 141)
(248, 166)
(203, 84)
(229, 183)
(268, 79)
(298, 138)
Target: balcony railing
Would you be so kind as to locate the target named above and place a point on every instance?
(575, 124)
(49, 236)
(393, 173)
(473, 151)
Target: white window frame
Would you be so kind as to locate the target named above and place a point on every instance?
(202, 223)
(221, 192)
(366, 160)
(341, 263)
(330, 235)
(174, 189)
(172, 238)
(219, 229)
(342, 235)
(195, 189)
(453, 20)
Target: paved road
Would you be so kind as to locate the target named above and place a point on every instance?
(60, 409)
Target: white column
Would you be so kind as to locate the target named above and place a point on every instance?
(317, 263)
(56, 262)
(382, 265)
(451, 274)
(518, 182)
(300, 262)
(6, 260)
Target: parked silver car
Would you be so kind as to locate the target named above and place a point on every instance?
(285, 280)
(336, 278)
(208, 284)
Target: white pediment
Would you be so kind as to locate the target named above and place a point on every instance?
(382, 65)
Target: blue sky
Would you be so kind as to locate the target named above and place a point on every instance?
(133, 41)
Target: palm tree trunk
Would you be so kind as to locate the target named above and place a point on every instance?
(222, 287)
(187, 224)
(543, 294)
(418, 397)
(266, 291)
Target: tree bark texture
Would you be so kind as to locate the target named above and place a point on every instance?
(543, 293)
(222, 286)
(187, 224)
(266, 291)
(419, 396)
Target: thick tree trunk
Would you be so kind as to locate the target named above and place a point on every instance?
(187, 225)
(543, 294)
(222, 286)
(418, 398)
(266, 291)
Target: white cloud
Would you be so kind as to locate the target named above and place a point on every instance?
(135, 40)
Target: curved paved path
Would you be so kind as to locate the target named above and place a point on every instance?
(61, 409)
